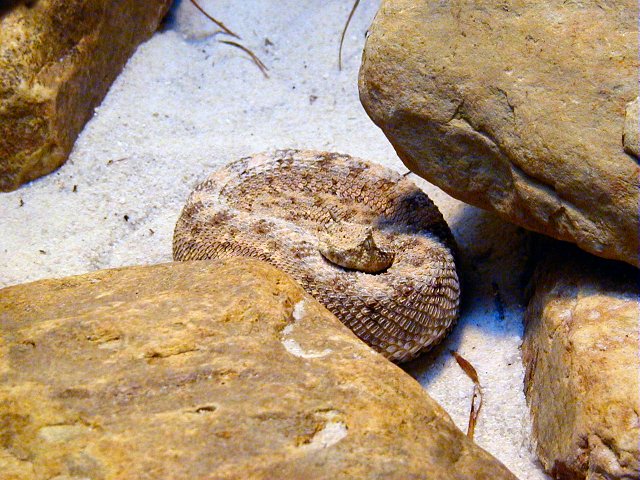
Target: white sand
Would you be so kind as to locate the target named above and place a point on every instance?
(186, 104)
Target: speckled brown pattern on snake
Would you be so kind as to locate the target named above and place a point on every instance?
(275, 207)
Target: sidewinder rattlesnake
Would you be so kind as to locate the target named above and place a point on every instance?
(360, 238)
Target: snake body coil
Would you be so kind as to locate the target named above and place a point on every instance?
(360, 238)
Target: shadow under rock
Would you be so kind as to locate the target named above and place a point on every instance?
(7, 5)
(494, 267)
(169, 21)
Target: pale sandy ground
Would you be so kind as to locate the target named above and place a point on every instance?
(186, 104)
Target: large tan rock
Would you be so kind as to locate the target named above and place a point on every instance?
(57, 61)
(582, 360)
(517, 107)
(207, 370)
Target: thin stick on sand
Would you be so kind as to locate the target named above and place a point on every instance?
(263, 68)
(344, 32)
(477, 392)
(254, 58)
(222, 26)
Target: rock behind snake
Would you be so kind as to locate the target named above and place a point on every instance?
(279, 207)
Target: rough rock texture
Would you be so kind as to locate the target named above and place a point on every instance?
(631, 129)
(581, 355)
(207, 370)
(517, 107)
(57, 60)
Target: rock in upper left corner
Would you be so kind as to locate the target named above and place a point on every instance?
(57, 61)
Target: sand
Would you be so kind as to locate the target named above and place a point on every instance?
(186, 104)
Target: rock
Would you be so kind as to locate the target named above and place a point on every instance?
(582, 361)
(516, 107)
(208, 370)
(631, 126)
(57, 61)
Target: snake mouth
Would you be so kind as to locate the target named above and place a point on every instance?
(352, 246)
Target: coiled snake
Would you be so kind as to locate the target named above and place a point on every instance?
(360, 238)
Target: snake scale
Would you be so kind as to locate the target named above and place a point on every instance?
(363, 240)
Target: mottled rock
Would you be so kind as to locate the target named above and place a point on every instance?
(582, 360)
(57, 61)
(631, 129)
(516, 107)
(208, 370)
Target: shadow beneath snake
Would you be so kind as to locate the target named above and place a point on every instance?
(494, 268)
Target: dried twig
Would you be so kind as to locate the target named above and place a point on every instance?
(112, 161)
(224, 28)
(477, 391)
(263, 68)
(344, 32)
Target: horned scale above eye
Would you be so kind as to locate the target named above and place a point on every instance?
(360, 238)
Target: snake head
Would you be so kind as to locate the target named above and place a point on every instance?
(351, 245)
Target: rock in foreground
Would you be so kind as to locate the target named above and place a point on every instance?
(517, 107)
(57, 61)
(207, 370)
(581, 355)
